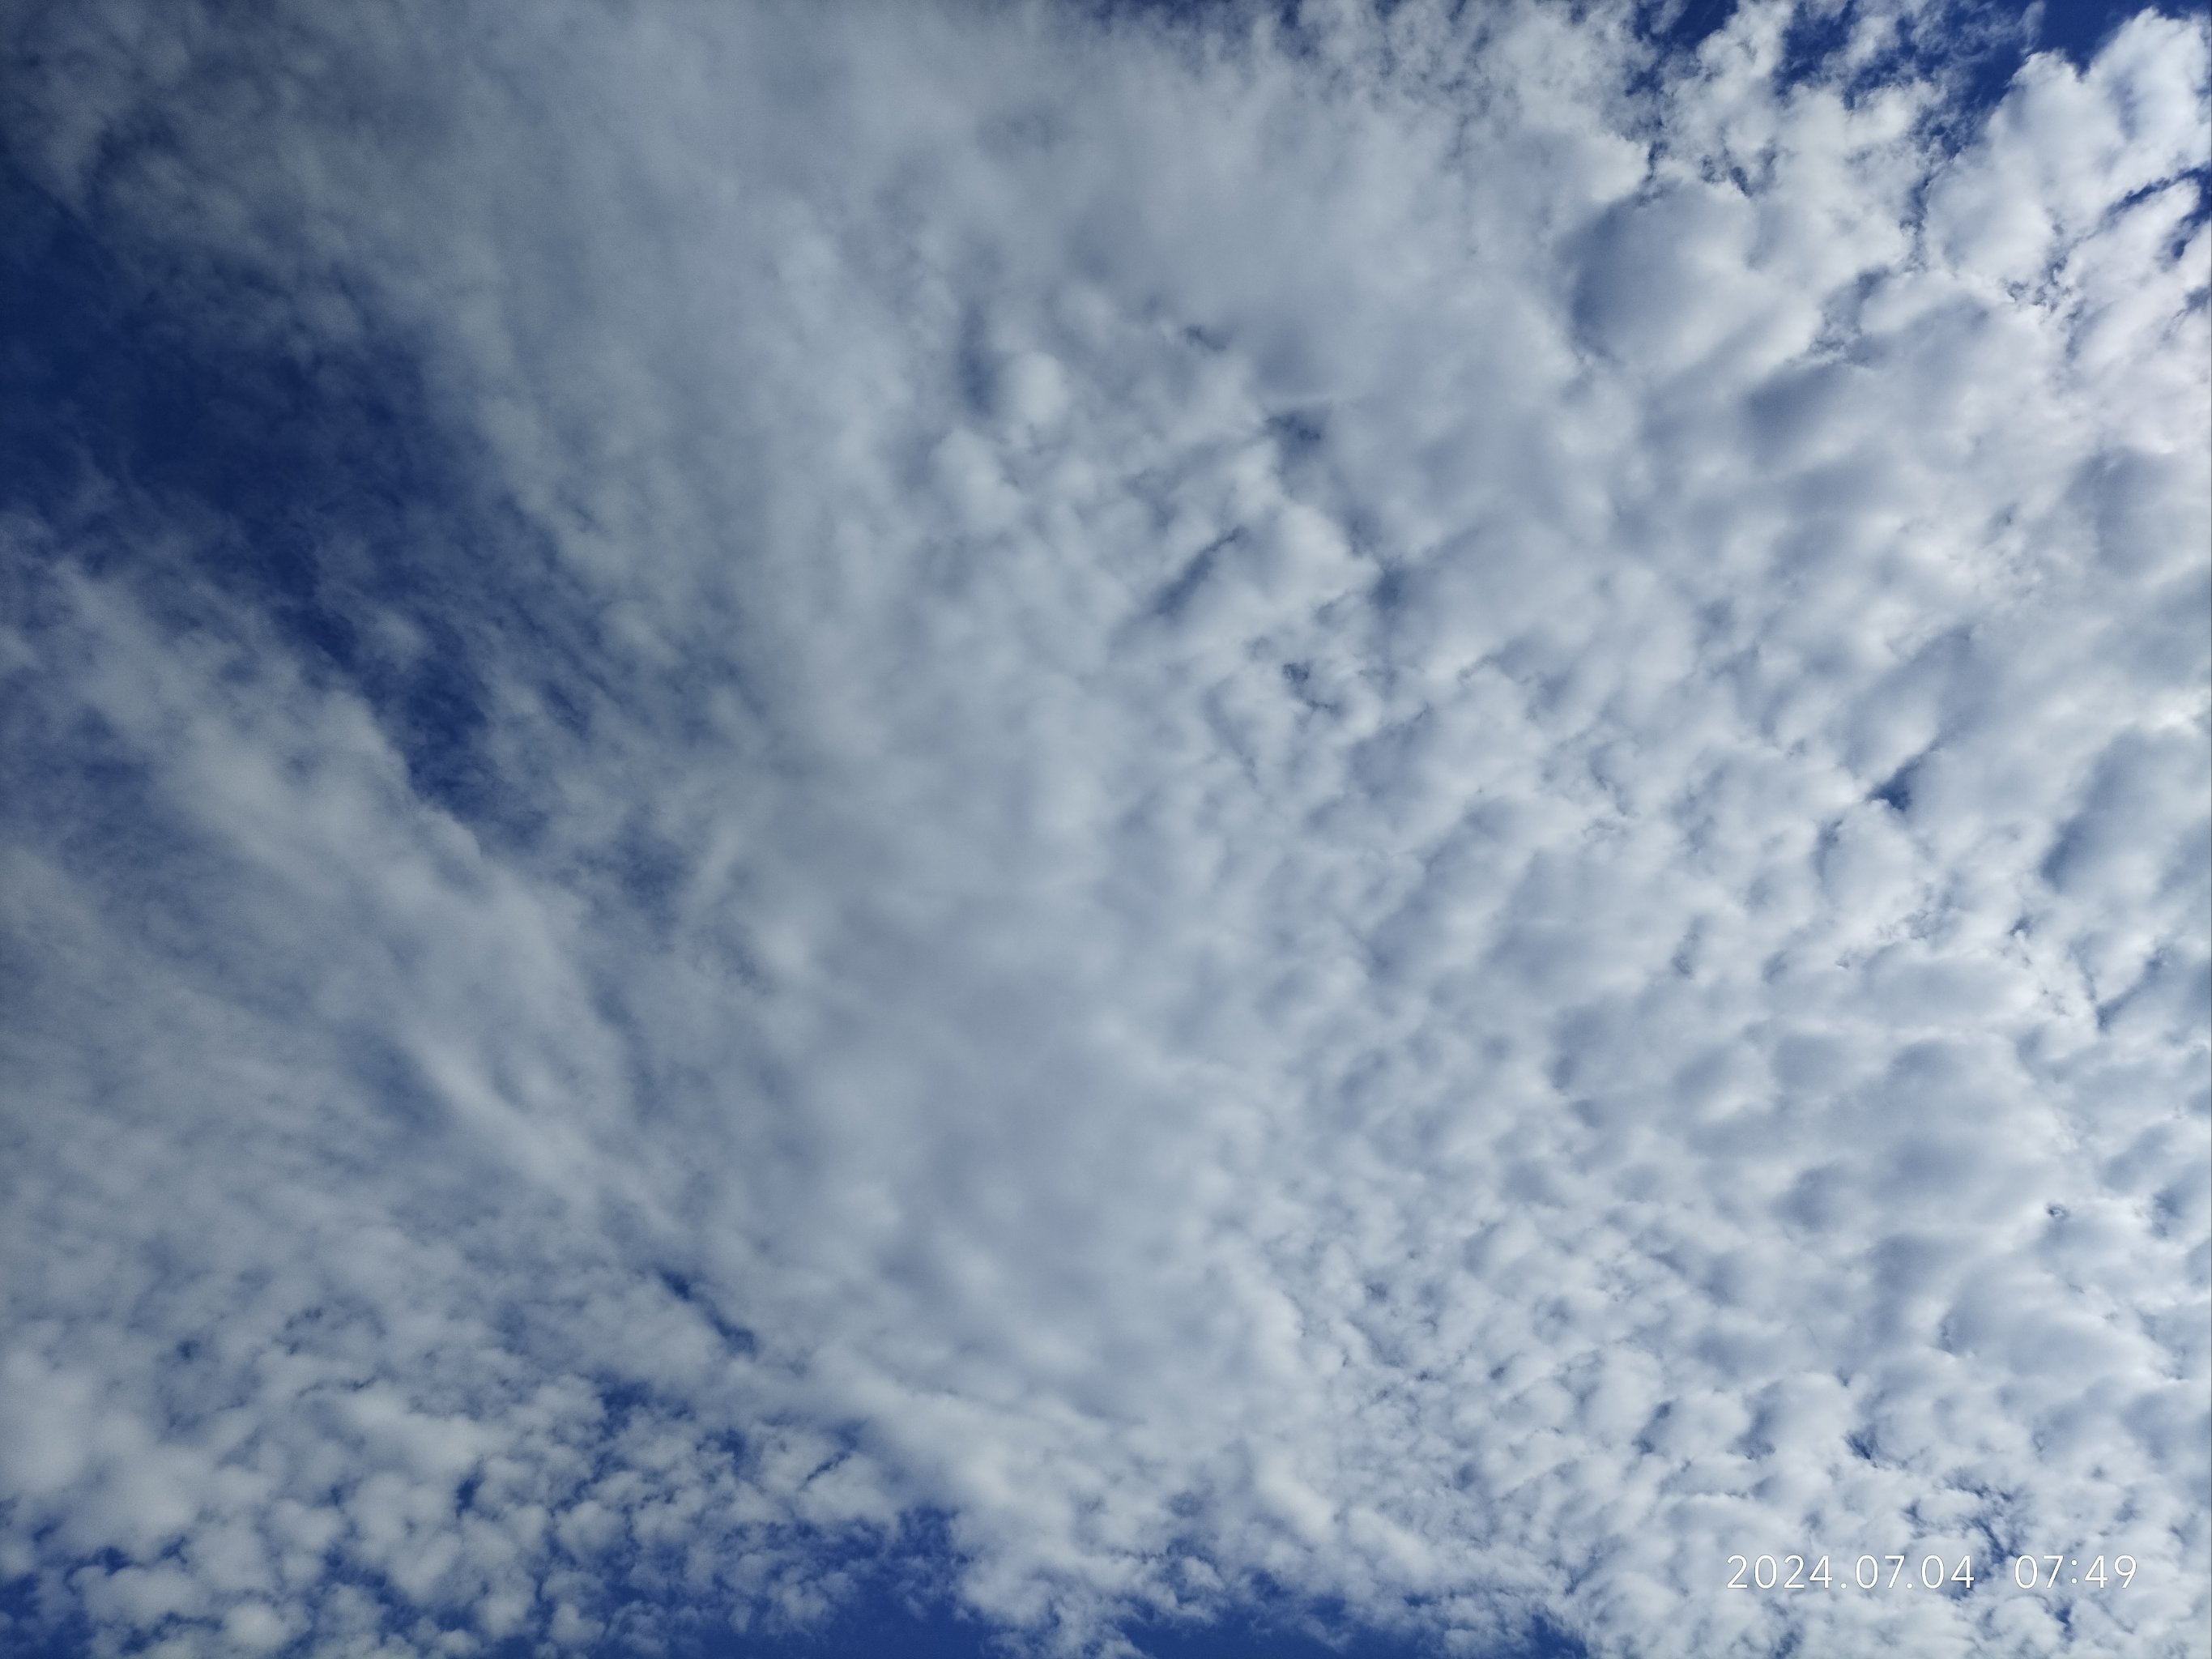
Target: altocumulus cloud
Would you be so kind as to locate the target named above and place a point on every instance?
(1398, 810)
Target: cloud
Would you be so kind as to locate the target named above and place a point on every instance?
(1407, 807)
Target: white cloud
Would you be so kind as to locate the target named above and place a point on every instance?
(1339, 806)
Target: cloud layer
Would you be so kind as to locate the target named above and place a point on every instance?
(1410, 809)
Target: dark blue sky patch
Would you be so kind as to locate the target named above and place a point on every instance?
(1814, 36)
(902, 1606)
(67, 781)
(2199, 180)
(126, 367)
(1896, 791)
(1213, 12)
(322, 491)
(1280, 1630)
(2079, 28)
(71, 788)
(1975, 46)
(896, 1598)
(1299, 432)
(1682, 25)
(1175, 597)
(735, 1337)
(1973, 49)
(25, 1638)
(37, 1624)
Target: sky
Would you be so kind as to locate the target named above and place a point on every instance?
(1090, 828)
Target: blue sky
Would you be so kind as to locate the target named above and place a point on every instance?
(1001, 830)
